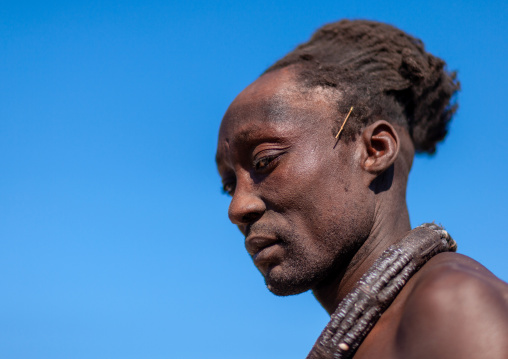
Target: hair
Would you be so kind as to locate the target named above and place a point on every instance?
(383, 73)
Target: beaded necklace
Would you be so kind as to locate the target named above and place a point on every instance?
(360, 310)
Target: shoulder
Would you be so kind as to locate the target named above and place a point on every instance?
(455, 308)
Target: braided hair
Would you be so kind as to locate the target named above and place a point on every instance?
(384, 73)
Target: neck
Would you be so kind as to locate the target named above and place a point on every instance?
(391, 224)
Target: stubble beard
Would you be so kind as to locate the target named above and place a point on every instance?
(299, 272)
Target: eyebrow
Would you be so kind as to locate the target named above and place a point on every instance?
(248, 137)
(272, 110)
(218, 160)
(242, 136)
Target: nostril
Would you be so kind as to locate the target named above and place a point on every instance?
(247, 205)
(251, 217)
(245, 210)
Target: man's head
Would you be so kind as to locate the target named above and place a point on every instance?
(304, 201)
(381, 71)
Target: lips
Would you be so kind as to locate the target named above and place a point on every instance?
(265, 252)
(255, 244)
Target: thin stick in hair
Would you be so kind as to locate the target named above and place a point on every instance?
(343, 123)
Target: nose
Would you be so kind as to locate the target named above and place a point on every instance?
(246, 206)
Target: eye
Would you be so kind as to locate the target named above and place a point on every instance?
(228, 188)
(263, 163)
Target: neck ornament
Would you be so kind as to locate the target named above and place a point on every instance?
(360, 310)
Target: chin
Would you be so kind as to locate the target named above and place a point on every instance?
(295, 277)
(283, 290)
(284, 285)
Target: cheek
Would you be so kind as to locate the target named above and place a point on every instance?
(319, 188)
(335, 216)
(308, 184)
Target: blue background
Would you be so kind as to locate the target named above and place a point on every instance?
(114, 238)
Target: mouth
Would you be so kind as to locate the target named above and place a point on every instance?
(263, 250)
(254, 244)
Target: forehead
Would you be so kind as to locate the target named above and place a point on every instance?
(277, 101)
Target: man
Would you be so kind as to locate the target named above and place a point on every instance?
(316, 155)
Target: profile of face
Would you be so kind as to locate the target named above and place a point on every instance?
(300, 198)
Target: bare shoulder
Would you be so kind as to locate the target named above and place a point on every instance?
(455, 308)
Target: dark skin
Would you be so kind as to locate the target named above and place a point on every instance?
(317, 214)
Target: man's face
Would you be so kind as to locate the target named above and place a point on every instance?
(301, 203)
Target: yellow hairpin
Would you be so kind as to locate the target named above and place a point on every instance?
(343, 123)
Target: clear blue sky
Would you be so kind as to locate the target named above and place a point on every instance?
(114, 237)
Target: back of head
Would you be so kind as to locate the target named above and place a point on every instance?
(384, 73)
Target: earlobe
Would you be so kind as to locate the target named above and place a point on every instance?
(381, 146)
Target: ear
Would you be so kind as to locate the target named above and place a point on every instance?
(381, 146)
